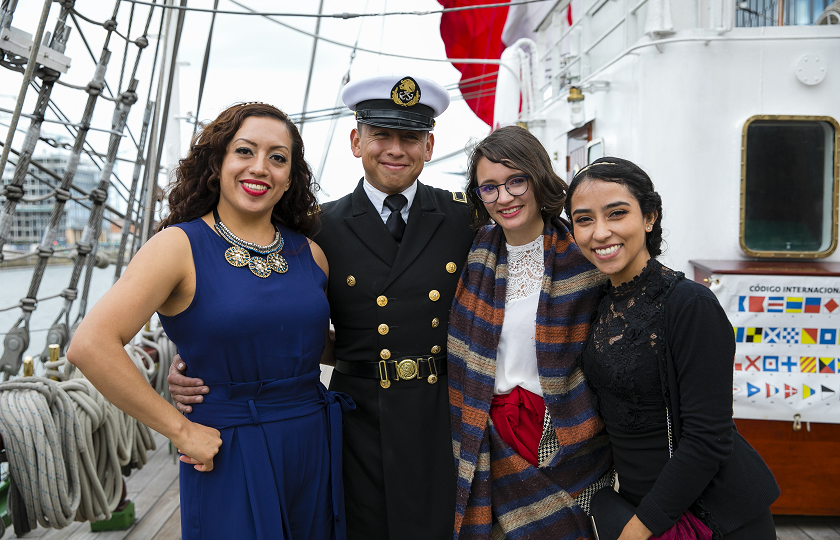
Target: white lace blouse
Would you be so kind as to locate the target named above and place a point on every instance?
(516, 359)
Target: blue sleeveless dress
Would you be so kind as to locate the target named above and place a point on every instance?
(257, 342)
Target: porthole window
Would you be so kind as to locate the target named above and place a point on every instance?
(789, 186)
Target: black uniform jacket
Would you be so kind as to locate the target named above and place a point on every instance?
(390, 300)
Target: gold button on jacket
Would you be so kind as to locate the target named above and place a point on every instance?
(383, 329)
(382, 301)
(435, 349)
(434, 296)
(451, 267)
(351, 280)
(435, 322)
(384, 354)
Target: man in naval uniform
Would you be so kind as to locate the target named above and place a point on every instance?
(396, 249)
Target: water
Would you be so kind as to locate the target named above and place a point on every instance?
(14, 284)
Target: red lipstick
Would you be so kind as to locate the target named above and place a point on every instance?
(252, 192)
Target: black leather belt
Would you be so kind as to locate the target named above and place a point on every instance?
(405, 368)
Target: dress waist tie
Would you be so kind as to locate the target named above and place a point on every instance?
(247, 405)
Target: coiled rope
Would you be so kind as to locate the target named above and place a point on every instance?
(166, 349)
(43, 439)
(68, 447)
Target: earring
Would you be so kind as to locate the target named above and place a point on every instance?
(648, 228)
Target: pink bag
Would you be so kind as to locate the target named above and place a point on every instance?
(688, 527)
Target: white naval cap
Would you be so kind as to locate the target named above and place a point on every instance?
(394, 101)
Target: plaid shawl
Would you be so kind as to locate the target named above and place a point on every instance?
(528, 502)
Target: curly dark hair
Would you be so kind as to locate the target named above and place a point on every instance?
(637, 182)
(515, 147)
(194, 190)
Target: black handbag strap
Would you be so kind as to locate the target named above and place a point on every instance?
(668, 375)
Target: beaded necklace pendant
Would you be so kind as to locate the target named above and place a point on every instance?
(238, 253)
(259, 267)
(277, 263)
(237, 256)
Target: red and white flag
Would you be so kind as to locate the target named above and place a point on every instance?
(484, 34)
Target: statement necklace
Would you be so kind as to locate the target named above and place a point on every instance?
(237, 254)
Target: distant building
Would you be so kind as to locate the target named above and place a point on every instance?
(32, 218)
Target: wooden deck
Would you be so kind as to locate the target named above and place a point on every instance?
(154, 490)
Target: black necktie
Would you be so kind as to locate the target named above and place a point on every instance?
(395, 222)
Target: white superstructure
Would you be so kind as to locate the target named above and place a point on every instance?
(671, 85)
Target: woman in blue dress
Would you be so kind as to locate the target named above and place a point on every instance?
(240, 289)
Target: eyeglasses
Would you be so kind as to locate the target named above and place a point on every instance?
(516, 186)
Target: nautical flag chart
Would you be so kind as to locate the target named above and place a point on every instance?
(787, 337)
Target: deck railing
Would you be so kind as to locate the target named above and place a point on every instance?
(601, 29)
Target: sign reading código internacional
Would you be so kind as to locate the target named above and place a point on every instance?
(787, 355)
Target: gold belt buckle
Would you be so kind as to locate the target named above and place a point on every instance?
(407, 369)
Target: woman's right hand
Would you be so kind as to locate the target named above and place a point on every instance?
(199, 445)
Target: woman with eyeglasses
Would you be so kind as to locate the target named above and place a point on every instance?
(529, 446)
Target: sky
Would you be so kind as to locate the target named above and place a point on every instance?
(255, 59)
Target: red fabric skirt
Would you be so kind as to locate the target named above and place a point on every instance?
(518, 417)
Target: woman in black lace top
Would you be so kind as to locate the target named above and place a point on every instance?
(662, 346)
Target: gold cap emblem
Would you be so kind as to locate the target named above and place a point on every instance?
(451, 267)
(384, 354)
(383, 329)
(434, 296)
(381, 301)
(351, 280)
(406, 93)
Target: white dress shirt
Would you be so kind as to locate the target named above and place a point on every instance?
(377, 198)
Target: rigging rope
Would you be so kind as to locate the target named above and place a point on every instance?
(331, 131)
(87, 148)
(139, 163)
(371, 51)
(104, 47)
(344, 15)
(88, 243)
(302, 121)
(204, 65)
(85, 194)
(125, 49)
(28, 75)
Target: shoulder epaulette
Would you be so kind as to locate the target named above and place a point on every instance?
(459, 197)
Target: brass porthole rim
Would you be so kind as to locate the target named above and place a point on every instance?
(832, 247)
